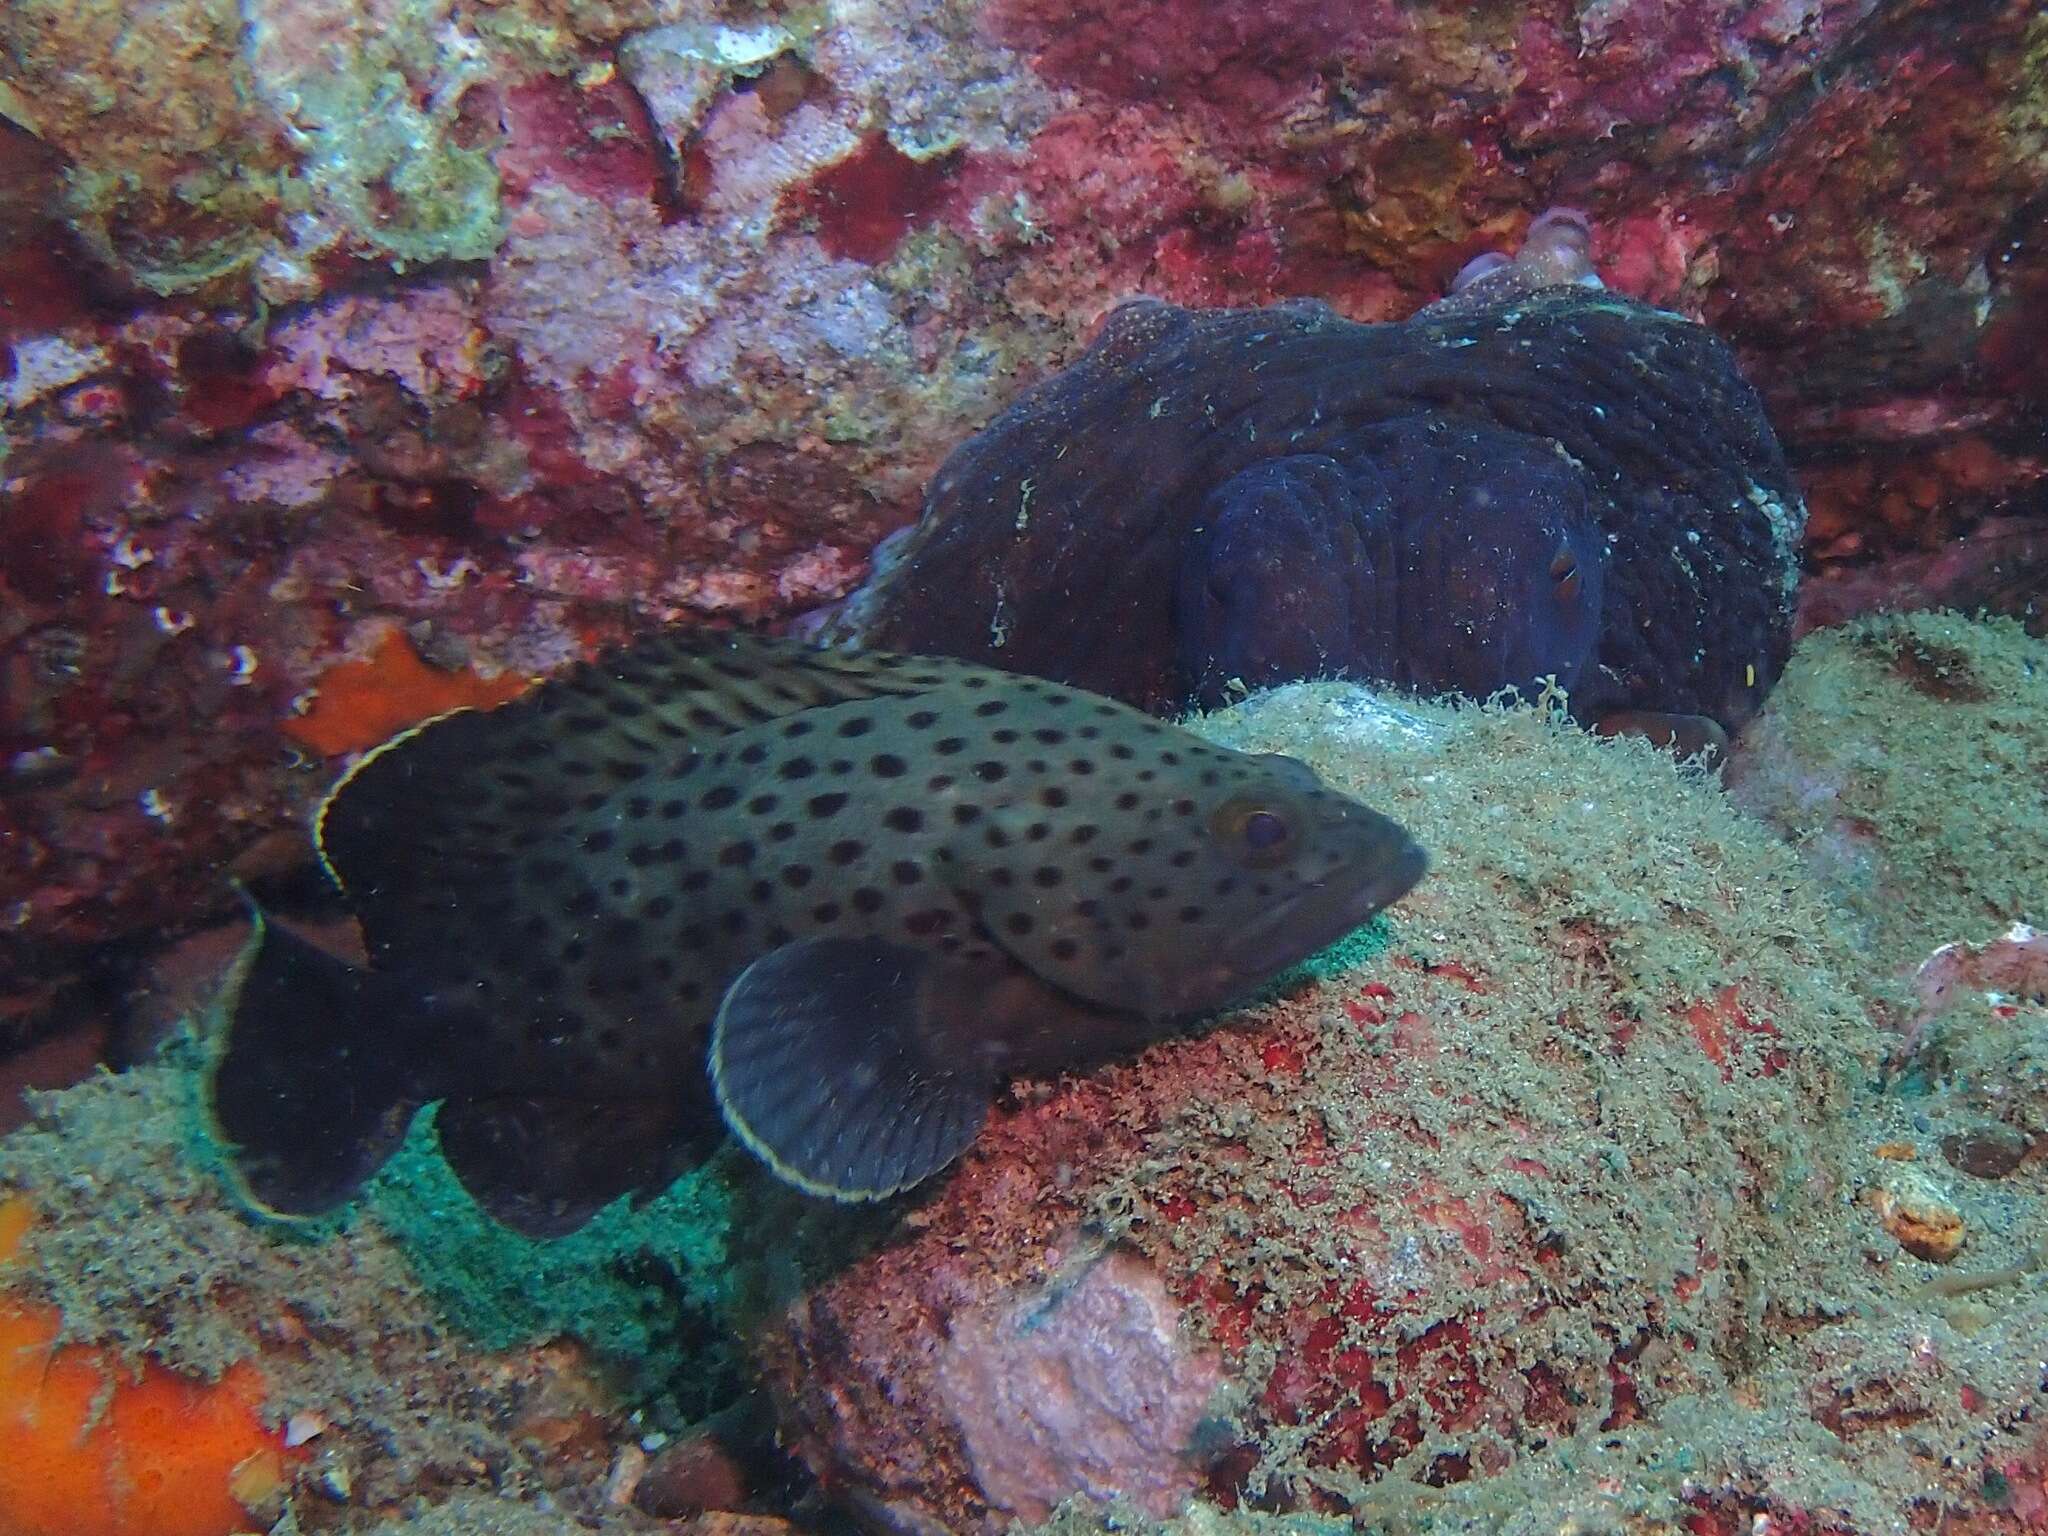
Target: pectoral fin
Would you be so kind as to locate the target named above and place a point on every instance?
(826, 1067)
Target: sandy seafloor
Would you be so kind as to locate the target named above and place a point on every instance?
(1868, 1354)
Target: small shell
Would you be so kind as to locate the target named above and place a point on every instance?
(1918, 1213)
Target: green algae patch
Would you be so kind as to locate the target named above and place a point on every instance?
(143, 1250)
(1353, 952)
(172, 166)
(646, 1289)
(380, 137)
(1904, 756)
(210, 146)
(416, 1335)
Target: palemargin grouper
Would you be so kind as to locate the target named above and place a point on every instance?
(864, 888)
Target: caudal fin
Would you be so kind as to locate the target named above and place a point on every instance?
(309, 1091)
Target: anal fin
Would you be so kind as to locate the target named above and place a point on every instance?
(824, 1069)
(545, 1166)
(309, 1088)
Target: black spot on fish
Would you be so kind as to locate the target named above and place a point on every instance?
(822, 806)
(904, 818)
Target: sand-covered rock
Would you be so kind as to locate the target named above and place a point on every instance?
(1536, 1158)
(1906, 757)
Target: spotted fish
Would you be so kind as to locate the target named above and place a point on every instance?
(859, 889)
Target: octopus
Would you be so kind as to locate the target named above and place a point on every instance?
(1533, 485)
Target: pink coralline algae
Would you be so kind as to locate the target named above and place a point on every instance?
(1089, 1386)
(526, 327)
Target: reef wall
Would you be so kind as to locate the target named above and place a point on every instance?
(358, 357)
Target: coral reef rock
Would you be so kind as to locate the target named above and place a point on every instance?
(1903, 755)
(523, 326)
(175, 1364)
(1557, 1150)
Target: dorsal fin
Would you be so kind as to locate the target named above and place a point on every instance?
(452, 788)
(701, 684)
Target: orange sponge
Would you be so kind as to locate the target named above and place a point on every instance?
(87, 1449)
(362, 703)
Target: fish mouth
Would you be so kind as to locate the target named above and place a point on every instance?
(1323, 912)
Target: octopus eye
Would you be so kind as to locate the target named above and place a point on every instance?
(1564, 573)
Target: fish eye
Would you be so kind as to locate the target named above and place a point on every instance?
(1259, 832)
(1564, 571)
(1262, 829)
